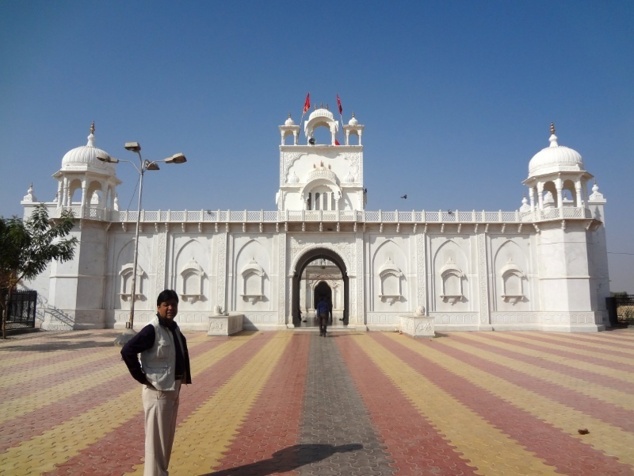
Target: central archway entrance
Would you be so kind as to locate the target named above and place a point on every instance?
(304, 261)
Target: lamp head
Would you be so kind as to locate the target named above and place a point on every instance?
(133, 146)
(107, 158)
(176, 159)
(147, 165)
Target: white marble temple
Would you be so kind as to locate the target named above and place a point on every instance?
(542, 266)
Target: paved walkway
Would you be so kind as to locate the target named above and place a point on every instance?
(349, 404)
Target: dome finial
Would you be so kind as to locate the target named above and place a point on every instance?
(91, 136)
(553, 137)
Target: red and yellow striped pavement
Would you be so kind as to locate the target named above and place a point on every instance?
(495, 403)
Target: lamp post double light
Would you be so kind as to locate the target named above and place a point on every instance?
(143, 166)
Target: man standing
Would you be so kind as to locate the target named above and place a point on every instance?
(163, 367)
(323, 312)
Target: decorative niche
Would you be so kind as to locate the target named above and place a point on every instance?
(452, 278)
(252, 282)
(192, 276)
(512, 283)
(126, 276)
(391, 277)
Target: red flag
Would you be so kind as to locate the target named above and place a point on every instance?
(337, 142)
(307, 103)
(339, 105)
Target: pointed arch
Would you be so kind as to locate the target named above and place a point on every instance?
(451, 271)
(189, 271)
(251, 280)
(301, 261)
(510, 265)
(388, 265)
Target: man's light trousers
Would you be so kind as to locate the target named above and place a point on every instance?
(160, 409)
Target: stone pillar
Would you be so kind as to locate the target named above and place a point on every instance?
(559, 188)
(484, 299)
(221, 274)
(284, 283)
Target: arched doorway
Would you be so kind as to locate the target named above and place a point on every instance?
(322, 290)
(302, 263)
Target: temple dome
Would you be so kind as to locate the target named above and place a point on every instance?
(85, 157)
(321, 112)
(555, 158)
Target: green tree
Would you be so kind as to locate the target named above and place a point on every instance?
(27, 247)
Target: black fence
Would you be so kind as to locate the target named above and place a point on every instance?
(620, 310)
(21, 309)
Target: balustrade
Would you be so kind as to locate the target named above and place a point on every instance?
(361, 216)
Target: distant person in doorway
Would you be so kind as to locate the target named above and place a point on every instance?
(162, 368)
(323, 314)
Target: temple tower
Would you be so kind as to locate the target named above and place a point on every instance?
(320, 176)
(572, 275)
(87, 186)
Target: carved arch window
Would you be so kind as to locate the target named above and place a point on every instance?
(321, 191)
(452, 278)
(252, 282)
(126, 275)
(191, 282)
(390, 277)
(512, 283)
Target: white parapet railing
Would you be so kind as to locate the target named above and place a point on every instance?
(359, 216)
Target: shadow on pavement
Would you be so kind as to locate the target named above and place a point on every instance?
(288, 459)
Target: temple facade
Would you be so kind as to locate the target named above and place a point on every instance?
(542, 266)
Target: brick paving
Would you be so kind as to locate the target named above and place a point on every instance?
(267, 403)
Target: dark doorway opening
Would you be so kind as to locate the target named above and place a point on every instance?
(322, 290)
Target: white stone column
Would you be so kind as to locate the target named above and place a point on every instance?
(357, 283)
(221, 280)
(65, 194)
(531, 196)
(484, 300)
(421, 271)
(162, 280)
(285, 283)
(559, 188)
(578, 193)
(84, 200)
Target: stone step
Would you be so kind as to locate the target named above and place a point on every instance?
(315, 329)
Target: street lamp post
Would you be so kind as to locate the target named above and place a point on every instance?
(143, 166)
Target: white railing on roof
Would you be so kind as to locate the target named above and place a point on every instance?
(360, 216)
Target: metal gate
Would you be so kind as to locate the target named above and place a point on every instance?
(21, 309)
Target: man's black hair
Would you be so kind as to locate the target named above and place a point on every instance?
(167, 295)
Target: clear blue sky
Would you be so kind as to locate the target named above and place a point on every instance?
(456, 97)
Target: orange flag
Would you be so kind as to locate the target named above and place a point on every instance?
(307, 103)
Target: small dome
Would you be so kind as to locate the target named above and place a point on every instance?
(321, 112)
(84, 157)
(353, 121)
(289, 121)
(555, 158)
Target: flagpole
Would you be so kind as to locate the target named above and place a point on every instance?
(306, 108)
(340, 109)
